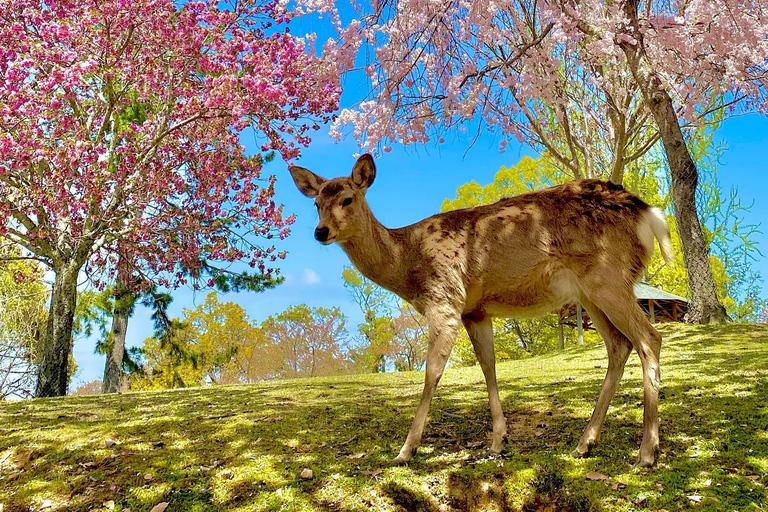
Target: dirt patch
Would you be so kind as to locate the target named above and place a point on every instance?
(524, 427)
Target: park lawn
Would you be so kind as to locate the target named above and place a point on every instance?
(242, 448)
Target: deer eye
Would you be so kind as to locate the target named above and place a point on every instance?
(346, 202)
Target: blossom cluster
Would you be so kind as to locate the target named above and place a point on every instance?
(121, 125)
(440, 65)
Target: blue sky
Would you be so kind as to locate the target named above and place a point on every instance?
(411, 184)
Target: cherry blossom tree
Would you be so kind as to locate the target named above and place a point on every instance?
(637, 71)
(120, 139)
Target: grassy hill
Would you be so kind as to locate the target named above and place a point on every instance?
(244, 447)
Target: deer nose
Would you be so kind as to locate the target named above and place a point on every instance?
(321, 234)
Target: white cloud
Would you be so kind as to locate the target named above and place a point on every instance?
(310, 277)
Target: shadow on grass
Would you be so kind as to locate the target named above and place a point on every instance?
(244, 447)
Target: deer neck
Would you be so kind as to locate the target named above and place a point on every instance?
(378, 254)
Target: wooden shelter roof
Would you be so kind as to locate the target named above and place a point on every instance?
(644, 291)
(658, 305)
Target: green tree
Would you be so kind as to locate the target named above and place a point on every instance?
(23, 317)
(393, 335)
(230, 348)
(529, 174)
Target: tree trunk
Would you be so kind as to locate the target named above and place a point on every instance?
(113, 369)
(53, 370)
(124, 302)
(704, 307)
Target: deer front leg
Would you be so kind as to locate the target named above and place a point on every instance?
(443, 327)
(480, 332)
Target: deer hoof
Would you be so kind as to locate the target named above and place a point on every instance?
(646, 459)
(645, 462)
(583, 449)
(404, 456)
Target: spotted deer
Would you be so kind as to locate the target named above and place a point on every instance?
(585, 241)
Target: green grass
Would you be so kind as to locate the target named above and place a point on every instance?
(243, 448)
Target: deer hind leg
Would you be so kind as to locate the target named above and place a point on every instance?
(481, 334)
(627, 316)
(619, 348)
(443, 327)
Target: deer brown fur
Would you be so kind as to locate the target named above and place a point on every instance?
(586, 241)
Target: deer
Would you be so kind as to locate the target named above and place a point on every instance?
(585, 241)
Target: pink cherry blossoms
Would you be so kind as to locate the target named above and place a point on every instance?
(121, 125)
(439, 65)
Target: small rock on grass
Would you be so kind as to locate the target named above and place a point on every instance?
(307, 474)
(160, 507)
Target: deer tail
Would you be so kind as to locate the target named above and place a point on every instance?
(654, 219)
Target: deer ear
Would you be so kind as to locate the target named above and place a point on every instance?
(307, 182)
(364, 171)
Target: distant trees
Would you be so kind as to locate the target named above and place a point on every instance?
(393, 336)
(216, 343)
(307, 342)
(89, 388)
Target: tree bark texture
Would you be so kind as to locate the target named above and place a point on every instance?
(125, 300)
(53, 370)
(113, 369)
(704, 306)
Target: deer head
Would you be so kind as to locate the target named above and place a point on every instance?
(340, 202)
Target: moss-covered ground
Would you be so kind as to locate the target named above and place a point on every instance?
(243, 448)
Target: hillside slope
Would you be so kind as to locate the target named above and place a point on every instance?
(244, 448)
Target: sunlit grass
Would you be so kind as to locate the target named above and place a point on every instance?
(243, 448)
